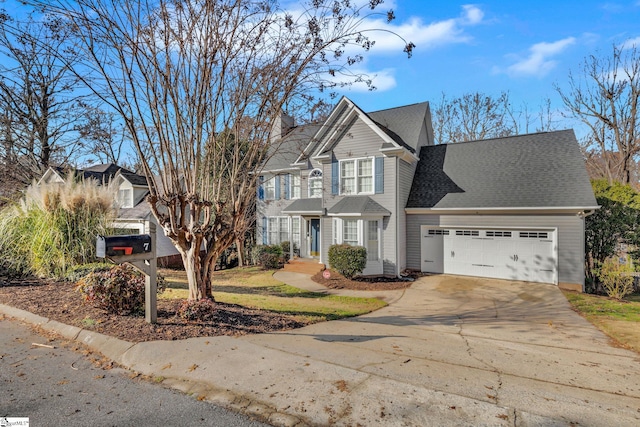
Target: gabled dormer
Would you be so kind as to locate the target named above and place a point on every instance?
(401, 131)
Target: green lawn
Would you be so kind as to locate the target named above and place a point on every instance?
(254, 288)
(618, 319)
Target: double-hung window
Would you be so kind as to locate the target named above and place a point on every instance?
(270, 189)
(283, 229)
(347, 177)
(295, 185)
(356, 176)
(350, 232)
(365, 176)
(359, 232)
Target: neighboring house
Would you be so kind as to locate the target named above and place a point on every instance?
(134, 213)
(510, 208)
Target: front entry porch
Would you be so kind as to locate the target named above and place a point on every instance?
(304, 265)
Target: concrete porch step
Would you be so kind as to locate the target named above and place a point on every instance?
(304, 265)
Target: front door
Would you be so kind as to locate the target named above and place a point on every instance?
(314, 225)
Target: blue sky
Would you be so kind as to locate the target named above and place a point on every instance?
(520, 47)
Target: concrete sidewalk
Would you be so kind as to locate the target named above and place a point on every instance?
(446, 352)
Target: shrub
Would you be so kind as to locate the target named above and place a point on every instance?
(616, 278)
(347, 260)
(202, 310)
(268, 256)
(77, 272)
(119, 290)
(55, 226)
(286, 249)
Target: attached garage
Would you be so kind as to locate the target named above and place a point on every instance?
(514, 254)
(507, 208)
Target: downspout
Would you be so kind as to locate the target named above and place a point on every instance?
(397, 175)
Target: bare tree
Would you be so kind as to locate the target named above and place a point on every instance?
(604, 96)
(39, 101)
(186, 75)
(471, 117)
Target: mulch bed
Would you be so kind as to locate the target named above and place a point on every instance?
(337, 281)
(60, 301)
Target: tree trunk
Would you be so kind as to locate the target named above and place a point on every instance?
(240, 248)
(197, 276)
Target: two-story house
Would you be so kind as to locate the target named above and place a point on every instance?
(510, 208)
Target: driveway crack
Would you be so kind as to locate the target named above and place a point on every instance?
(494, 391)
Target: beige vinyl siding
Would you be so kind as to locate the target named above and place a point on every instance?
(570, 236)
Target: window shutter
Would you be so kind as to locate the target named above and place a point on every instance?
(335, 177)
(287, 186)
(261, 188)
(379, 179)
(264, 230)
(277, 178)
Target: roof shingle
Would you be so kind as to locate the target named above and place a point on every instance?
(543, 170)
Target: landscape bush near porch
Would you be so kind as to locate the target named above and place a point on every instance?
(348, 260)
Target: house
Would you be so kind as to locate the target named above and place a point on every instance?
(134, 213)
(510, 208)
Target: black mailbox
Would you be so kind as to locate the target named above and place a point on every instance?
(129, 244)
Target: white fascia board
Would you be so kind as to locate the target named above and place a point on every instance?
(402, 153)
(314, 139)
(303, 213)
(536, 209)
(291, 169)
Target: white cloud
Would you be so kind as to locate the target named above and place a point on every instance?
(383, 80)
(630, 43)
(539, 62)
(425, 36)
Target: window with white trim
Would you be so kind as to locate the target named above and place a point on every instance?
(273, 230)
(295, 186)
(372, 240)
(124, 198)
(357, 176)
(359, 232)
(295, 231)
(283, 229)
(315, 183)
(350, 232)
(270, 189)
(278, 230)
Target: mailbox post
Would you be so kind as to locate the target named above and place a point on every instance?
(138, 250)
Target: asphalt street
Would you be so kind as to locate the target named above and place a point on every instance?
(69, 386)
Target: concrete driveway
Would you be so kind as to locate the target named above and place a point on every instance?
(449, 351)
(461, 351)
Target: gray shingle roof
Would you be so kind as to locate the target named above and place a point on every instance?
(402, 124)
(362, 205)
(283, 154)
(133, 178)
(536, 170)
(305, 206)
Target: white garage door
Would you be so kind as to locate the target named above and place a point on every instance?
(515, 254)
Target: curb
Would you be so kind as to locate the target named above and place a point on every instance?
(115, 349)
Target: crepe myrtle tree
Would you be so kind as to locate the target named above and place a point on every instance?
(195, 80)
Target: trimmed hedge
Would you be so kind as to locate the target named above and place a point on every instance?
(347, 260)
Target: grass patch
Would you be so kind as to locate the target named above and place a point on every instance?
(618, 319)
(256, 288)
